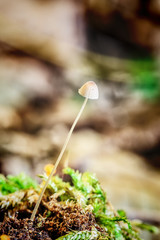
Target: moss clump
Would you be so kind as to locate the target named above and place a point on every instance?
(61, 217)
(73, 209)
(11, 184)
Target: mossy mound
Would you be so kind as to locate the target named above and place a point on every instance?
(70, 209)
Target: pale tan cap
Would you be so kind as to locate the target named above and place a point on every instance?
(89, 90)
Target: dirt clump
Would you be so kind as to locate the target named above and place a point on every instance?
(22, 229)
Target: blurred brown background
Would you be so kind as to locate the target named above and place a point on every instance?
(48, 49)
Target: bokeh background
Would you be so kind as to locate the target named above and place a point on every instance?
(48, 49)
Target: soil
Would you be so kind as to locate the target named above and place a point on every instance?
(22, 229)
(61, 218)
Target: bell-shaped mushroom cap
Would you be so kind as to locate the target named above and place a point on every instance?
(89, 90)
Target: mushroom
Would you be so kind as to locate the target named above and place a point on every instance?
(90, 91)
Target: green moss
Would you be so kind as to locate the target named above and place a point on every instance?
(84, 235)
(89, 187)
(11, 184)
(76, 209)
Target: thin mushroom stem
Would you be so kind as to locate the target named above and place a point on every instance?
(58, 160)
